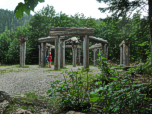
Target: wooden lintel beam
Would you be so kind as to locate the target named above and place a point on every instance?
(68, 29)
(72, 33)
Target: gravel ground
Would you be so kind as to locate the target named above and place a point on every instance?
(32, 79)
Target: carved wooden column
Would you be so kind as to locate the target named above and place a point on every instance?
(124, 52)
(57, 53)
(79, 52)
(43, 54)
(47, 50)
(23, 40)
(121, 56)
(39, 55)
(74, 51)
(86, 52)
(127, 55)
(95, 57)
(62, 53)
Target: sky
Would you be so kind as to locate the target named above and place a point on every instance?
(69, 7)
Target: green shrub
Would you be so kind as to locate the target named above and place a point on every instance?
(117, 97)
(71, 94)
(106, 90)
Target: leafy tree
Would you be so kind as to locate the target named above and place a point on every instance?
(14, 51)
(4, 43)
(26, 7)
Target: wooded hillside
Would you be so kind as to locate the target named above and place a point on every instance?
(10, 22)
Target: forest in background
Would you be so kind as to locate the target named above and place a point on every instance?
(10, 22)
(112, 29)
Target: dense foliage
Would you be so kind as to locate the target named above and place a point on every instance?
(26, 7)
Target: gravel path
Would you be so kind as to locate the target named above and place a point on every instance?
(32, 79)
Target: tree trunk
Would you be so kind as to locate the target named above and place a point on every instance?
(150, 19)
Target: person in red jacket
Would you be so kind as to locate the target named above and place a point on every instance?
(49, 60)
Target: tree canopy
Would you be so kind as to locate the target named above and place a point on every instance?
(25, 7)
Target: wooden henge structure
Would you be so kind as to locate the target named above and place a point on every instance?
(49, 47)
(124, 52)
(98, 47)
(58, 35)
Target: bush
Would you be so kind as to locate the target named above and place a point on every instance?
(107, 93)
(71, 94)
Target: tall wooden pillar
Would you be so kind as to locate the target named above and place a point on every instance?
(121, 55)
(57, 53)
(39, 55)
(23, 40)
(74, 51)
(43, 54)
(62, 53)
(124, 54)
(86, 52)
(95, 57)
(127, 55)
(79, 51)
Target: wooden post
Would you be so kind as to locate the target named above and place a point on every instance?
(83, 52)
(74, 51)
(124, 54)
(23, 40)
(95, 57)
(127, 54)
(79, 51)
(86, 52)
(39, 55)
(62, 53)
(43, 54)
(121, 55)
(57, 53)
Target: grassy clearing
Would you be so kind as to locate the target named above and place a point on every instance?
(11, 70)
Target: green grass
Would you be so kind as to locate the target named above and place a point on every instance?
(26, 66)
(11, 70)
(52, 70)
(52, 76)
(43, 67)
(64, 68)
